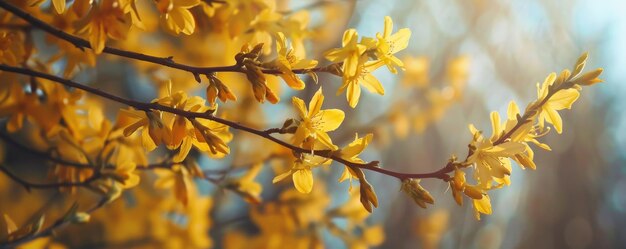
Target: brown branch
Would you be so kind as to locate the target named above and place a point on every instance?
(28, 185)
(164, 164)
(44, 155)
(267, 134)
(164, 61)
(192, 115)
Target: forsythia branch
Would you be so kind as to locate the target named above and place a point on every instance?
(373, 166)
(164, 164)
(28, 185)
(164, 61)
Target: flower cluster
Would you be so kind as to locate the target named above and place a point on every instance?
(360, 59)
(490, 158)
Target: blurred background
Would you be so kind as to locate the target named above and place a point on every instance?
(464, 60)
(577, 196)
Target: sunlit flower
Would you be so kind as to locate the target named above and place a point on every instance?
(388, 44)
(563, 99)
(287, 60)
(154, 133)
(12, 49)
(489, 158)
(125, 170)
(314, 122)
(351, 152)
(301, 172)
(105, 18)
(363, 77)
(349, 54)
(176, 17)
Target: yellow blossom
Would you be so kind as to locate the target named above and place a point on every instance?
(206, 135)
(210, 137)
(351, 153)
(349, 54)
(388, 45)
(288, 60)
(176, 178)
(301, 172)
(562, 99)
(489, 158)
(12, 49)
(105, 18)
(18, 105)
(246, 184)
(155, 132)
(125, 170)
(363, 77)
(314, 122)
(176, 17)
(482, 206)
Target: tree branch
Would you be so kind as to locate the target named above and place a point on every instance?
(373, 166)
(164, 164)
(164, 61)
(28, 185)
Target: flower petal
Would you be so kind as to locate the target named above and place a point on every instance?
(328, 120)
(303, 180)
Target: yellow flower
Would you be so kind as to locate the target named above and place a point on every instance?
(125, 170)
(563, 99)
(181, 101)
(355, 148)
(246, 184)
(288, 60)
(206, 135)
(349, 54)
(389, 44)
(301, 172)
(363, 77)
(106, 18)
(12, 49)
(527, 133)
(260, 29)
(295, 26)
(177, 178)
(491, 159)
(18, 105)
(210, 137)
(176, 17)
(314, 123)
(157, 132)
(351, 153)
(482, 206)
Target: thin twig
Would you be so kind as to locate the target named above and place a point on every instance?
(47, 156)
(164, 61)
(28, 185)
